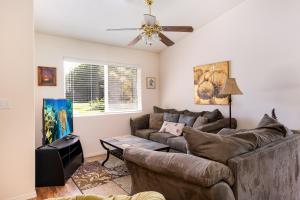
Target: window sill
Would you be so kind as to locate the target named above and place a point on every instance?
(107, 114)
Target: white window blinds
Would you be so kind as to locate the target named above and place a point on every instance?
(102, 88)
(122, 88)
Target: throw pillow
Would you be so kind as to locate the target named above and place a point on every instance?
(200, 121)
(216, 147)
(187, 120)
(169, 117)
(289, 132)
(156, 120)
(171, 127)
(265, 121)
(269, 122)
(213, 116)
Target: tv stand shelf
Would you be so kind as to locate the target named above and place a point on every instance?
(55, 163)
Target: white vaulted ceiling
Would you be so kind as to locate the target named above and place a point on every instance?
(89, 19)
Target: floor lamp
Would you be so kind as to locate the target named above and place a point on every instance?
(230, 88)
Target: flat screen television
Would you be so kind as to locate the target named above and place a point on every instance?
(57, 119)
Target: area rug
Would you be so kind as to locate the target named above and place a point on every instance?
(112, 179)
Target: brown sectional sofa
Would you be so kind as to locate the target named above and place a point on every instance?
(270, 171)
(140, 128)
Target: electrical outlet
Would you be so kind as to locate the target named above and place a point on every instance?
(4, 104)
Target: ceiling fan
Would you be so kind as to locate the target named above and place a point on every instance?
(152, 31)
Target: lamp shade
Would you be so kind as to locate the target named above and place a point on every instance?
(231, 88)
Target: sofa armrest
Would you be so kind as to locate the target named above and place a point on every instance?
(141, 122)
(270, 172)
(216, 126)
(191, 169)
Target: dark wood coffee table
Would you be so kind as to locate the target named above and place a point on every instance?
(116, 145)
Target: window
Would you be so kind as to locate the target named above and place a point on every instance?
(96, 88)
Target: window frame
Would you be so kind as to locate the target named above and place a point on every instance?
(106, 64)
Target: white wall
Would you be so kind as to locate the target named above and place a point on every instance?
(50, 51)
(17, 86)
(262, 41)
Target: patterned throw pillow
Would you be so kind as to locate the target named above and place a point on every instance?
(172, 128)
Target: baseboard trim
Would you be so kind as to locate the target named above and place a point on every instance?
(99, 153)
(30, 195)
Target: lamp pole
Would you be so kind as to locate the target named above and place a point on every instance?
(230, 101)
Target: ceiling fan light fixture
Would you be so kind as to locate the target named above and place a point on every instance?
(151, 31)
(149, 39)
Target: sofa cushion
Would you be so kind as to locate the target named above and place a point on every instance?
(200, 121)
(198, 171)
(162, 110)
(187, 120)
(161, 137)
(228, 131)
(157, 109)
(177, 143)
(144, 133)
(196, 114)
(216, 147)
(213, 116)
(156, 120)
(170, 117)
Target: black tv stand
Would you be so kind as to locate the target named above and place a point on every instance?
(55, 163)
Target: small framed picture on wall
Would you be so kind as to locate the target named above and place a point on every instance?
(46, 76)
(151, 82)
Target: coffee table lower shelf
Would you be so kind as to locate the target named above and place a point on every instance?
(118, 151)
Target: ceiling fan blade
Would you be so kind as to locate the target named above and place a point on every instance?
(150, 20)
(135, 40)
(178, 28)
(123, 29)
(164, 39)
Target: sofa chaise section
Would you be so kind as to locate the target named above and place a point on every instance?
(178, 176)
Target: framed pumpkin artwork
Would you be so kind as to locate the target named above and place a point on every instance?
(209, 81)
(46, 76)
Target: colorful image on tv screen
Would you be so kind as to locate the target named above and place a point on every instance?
(58, 119)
